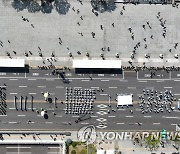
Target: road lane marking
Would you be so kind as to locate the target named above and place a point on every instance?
(131, 87)
(121, 109)
(3, 115)
(12, 93)
(21, 115)
(167, 87)
(22, 86)
(49, 122)
(141, 81)
(121, 123)
(13, 79)
(59, 87)
(12, 122)
(112, 87)
(58, 115)
(31, 79)
(177, 80)
(50, 79)
(75, 116)
(111, 116)
(41, 86)
(156, 123)
(32, 93)
(104, 80)
(147, 116)
(94, 116)
(94, 87)
(129, 116)
(171, 117)
(84, 80)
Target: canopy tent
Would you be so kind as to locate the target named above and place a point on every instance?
(110, 152)
(97, 64)
(124, 100)
(12, 63)
(100, 151)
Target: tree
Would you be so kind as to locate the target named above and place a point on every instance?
(83, 151)
(20, 5)
(33, 7)
(103, 5)
(62, 6)
(152, 143)
(73, 152)
(46, 6)
(74, 144)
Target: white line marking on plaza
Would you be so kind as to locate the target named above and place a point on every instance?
(21, 115)
(156, 123)
(32, 93)
(16, 148)
(52, 93)
(102, 109)
(138, 109)
(171, 117)
(31, 79)
(2, 73)
(103, 94)
(100, 74)
(176, 80)
(176, 94)
(147, 116)
(59, 87)
(141, 81)
(167, 87)
(112, 87)
(111, 116)
(160, 81)
(77, 87)
(12, 93)
(84, 80)
(22, 86)
(13, 79)
(41, 86)
(121, 123)
(94, 116)
(104, 80)
(94, 87)
(11, 108)
(129, 116)
(3, 115)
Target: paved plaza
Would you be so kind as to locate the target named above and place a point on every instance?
(75, 32)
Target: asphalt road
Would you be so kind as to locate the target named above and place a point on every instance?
(37, 81)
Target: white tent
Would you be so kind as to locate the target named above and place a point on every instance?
(100, 151)
(110, 152)
(124, 100)
(12, 63)
(97, 64)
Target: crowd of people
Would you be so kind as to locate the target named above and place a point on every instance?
(79, 101)
(157, 102)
